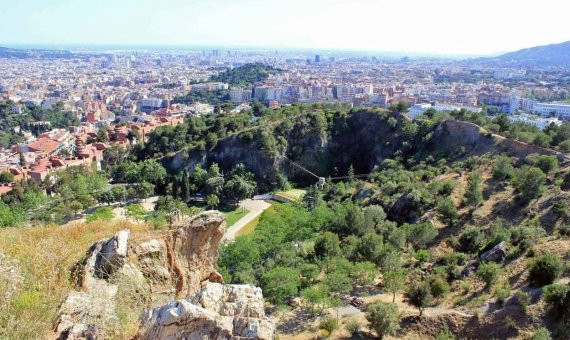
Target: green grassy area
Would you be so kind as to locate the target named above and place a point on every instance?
(294, 194)
(250, 227)
(233, 214)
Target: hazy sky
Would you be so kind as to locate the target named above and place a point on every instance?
(428, 26)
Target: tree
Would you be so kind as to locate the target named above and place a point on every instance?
(529, 182)
(545, 269)
(364, 273)
(327, 245)
(393, 281)
(471, 240)
(119, 193)
(419, 234)
(503, 168)
(474, 195)
(22, 159)
(317, 297)
(102, 135)
(6, 177)
(144, 190)
(489, 272)
(239, 188)
(311, 197)
(214, 185)
(280, 284)
(447, 211)
(383, 318)
(212, 200)
(152, 171)
(419, 295)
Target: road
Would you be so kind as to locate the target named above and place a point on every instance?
(255, 208)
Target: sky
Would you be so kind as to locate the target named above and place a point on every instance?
(445, 27)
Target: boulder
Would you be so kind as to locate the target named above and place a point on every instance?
(495, 254)
(216, 312)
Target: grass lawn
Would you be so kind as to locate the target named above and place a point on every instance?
(233, 214)
(250, 227)
(293, 194)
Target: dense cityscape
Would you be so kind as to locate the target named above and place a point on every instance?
(139, 91)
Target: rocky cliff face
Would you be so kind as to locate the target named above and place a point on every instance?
(178, 264)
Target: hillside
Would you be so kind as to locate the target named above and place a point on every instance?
(547, 55)
(434, 227)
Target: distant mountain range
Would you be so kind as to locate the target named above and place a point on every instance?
(548, 55)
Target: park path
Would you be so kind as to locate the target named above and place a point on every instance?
(255, 208)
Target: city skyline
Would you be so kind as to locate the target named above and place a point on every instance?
(440, 27)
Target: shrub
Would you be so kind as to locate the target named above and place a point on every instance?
(503, 168)
(558, 297)
(447, 211)
(547, 163)
(438, 287)
(489, 272)
(445, 334)
(329, 324)
(471, 240)
(529, 182)
(383, 318)
(541, 333)
(419, 295)
(474, 195)
(545, 269)
(523, 299)
(352, 326)
(502, 294)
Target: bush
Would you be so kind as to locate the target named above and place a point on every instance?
(101, 214)
(545, 269)
(419, 295)
(489, 273)
(501, 295)
(352, 326)
(447, 211)
(558, 297)
(529, 182)
(471, 240)
(523, 299)
(383, 318)
(503, 168)
(445, 334)
(547, 163)
(438, 287)
(329, 324)
(541, 333)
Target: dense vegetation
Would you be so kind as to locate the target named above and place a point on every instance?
(245, 75)
(31, 120)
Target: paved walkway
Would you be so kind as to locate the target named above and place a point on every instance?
(255, 208)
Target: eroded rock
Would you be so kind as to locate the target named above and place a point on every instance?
(177, 264)
(216, 312)
(495, 254)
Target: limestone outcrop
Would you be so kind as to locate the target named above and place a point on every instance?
(174, 272)
(216, 312)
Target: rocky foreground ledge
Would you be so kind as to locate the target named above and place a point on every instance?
(181, 294)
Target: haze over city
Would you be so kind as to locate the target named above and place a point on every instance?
(442, 27)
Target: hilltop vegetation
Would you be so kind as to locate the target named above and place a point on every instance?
(245, 75)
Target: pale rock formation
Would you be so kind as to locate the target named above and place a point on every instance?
(216, 312)
(177, 264)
